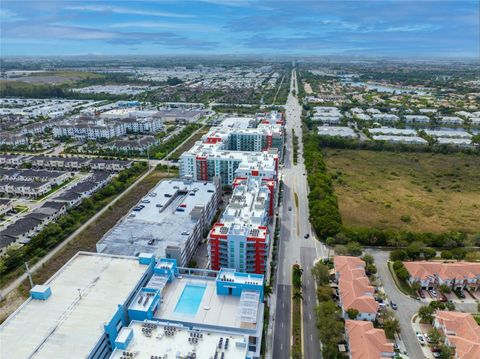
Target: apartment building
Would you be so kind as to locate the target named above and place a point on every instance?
(240, 239)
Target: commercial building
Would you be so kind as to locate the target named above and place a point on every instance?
(337, 131)
(104, 306)
(168, 222)
(461, 331)
(392, 131)
(240, 239)
(416, 119)
(409, 140)
(458, 275)
(385, 117)
(355, 290)
(366, 342)
(450, 120)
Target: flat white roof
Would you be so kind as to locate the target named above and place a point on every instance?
(85, 294)
(177, 345)
(165, 220)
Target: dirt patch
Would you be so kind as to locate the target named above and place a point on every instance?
(307, 88)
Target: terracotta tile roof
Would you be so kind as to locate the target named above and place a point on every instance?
(458, 270)
(462, 331)
(366, 342)
(354, 286)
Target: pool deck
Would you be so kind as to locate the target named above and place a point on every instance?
(214, 310)
(177, 345)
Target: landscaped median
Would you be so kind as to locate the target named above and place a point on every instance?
(297, 312)
(397, 270)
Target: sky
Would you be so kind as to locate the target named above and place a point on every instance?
(391, 28)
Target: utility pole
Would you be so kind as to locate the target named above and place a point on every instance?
(29, 275)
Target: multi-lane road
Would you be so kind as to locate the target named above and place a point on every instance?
(293, 246)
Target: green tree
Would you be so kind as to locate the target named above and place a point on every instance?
(324, 293)
(459, 253)
(352, 313)
(426, 314)
(446, 352)
(391, 327)
(446, 255)
(444, 289)
(354, 249)
(368, 258)
(416, 286)
(414, 250)
(398, 255)
(321, 273)
(429, 253)
(434, 335)
(402, 273)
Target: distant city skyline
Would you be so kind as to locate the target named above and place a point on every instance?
(417, 29)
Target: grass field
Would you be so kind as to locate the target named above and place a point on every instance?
(418, 192)
(49, 77)
(85, 241)
(189, 144)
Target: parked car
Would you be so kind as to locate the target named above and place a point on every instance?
(421, 294)
(433, 293)
(290, 208)
(420, 338)
(393, 305)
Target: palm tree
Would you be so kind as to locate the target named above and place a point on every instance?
(297, 271)
(267, 291)
(297, 295)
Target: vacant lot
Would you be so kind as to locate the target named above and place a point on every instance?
(410, 191)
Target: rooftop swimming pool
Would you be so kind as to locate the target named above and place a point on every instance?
(190, 299)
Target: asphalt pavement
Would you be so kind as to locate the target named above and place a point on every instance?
(407, 306)
(293, 247)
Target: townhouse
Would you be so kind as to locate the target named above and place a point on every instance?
(461, 331)
(12, 160)
(366, 342)
(458, 275)
(23, 230)
(24, 188)
(355, 290)
(54, 177)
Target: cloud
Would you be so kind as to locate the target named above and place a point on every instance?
(163, 25)
(124, 10)
(9, 16)
(78, 33)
